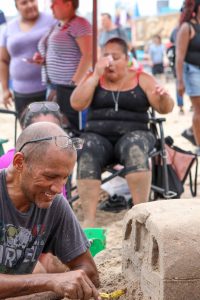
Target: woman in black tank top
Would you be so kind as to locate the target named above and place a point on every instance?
(188, 63)
(118, 98)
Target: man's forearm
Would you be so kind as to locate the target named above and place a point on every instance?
(19, 285)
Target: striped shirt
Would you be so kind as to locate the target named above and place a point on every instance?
(61, 51)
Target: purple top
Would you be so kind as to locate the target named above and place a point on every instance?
(26, 76)
(7, 158)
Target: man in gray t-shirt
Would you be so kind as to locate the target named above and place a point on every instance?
(109, 30)
(35, 218)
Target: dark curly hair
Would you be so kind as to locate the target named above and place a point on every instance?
(29, 116)
(120, 42)
(189, 10)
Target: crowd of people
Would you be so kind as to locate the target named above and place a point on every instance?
(45, 69)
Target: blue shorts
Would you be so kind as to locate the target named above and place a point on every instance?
(191, 76)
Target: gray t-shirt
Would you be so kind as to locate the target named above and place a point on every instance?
(24, 236)
(116, 32)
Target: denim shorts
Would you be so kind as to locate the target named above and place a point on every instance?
(191, 75)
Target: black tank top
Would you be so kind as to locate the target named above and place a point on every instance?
(131, 115)
(193, 51)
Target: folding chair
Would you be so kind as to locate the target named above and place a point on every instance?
(156, 125)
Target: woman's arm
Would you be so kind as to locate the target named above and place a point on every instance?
(158, 97)
(182, 42)
(4, 76)
(85, 46)
(82, 96)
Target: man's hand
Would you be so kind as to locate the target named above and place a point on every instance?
(74, 285)
(7, 98)
(38, 58)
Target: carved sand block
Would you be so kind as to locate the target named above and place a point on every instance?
(161, 249)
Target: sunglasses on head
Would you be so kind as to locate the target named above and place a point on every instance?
(38, 106)
(61, 141)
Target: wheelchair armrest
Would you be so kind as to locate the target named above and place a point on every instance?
(157, 120)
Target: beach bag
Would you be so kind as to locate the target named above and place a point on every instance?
(179, 167)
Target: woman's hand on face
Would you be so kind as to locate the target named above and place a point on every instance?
(102, 64)
(75, 285)
(38, 58)
(7, 98)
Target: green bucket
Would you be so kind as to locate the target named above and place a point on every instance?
(97, 238)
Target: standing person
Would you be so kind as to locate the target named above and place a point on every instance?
(188, 60)
(117, 129)
(67, 53)
(18, 43)
(172, 55)
(2, 17)
(156, 52)
(35, 218)
(109, 30)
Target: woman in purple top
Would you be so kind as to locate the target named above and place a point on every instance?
(18, 43)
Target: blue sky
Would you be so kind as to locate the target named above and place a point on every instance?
(103, 5)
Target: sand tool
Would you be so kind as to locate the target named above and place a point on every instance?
(114, 295)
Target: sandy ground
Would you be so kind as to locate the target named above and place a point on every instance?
(109, 261)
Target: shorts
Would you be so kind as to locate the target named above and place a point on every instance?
(131, 150)
(63, 97)
(23, 100)
(191, 76)
(158, 69)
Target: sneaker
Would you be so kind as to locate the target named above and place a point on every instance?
(181, 111)
(188, 134)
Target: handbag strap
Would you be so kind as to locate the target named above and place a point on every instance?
(193, 187)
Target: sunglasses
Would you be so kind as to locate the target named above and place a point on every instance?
(48, 105)
(61, 141)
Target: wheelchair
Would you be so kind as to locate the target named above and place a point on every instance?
(159, 151)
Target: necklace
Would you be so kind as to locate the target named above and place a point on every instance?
(116, 99)
(116, 94)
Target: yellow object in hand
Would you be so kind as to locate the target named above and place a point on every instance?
(113, 295)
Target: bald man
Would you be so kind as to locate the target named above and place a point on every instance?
(35, 218)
